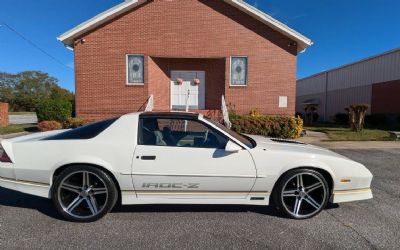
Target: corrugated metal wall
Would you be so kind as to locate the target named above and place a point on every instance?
(349, 84)
(338, 100)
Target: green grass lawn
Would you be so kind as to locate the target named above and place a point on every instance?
(17, 128)
(344, 134)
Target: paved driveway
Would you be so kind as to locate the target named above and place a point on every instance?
(22, 119)
(29, 222)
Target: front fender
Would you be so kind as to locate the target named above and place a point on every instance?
(267, 176)
(308, 163)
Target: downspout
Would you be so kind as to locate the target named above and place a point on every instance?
(326, 97)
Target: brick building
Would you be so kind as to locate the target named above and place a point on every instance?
(183, 51)
(374, 81)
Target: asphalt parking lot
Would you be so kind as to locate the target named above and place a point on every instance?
(30, 222)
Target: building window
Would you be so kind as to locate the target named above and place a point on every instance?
(135, 69)
(238, 71)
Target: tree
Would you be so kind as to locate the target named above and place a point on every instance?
(7, 87)
(310, 111)
(23, 91)
(357, 116)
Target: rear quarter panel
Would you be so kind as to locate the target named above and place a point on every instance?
(112, 149)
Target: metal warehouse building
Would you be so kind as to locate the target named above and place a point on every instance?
(374, 81)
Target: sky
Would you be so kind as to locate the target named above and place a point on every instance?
(343, 31)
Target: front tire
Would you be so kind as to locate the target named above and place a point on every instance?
(84, 193)
(301, 193)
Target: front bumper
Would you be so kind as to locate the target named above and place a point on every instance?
(351, 195)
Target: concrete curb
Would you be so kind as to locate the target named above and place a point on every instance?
(320, 139)
(7, 136)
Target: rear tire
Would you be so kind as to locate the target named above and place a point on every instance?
(84, 193)
(301, 193)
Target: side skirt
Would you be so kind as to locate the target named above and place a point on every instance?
(157, 197)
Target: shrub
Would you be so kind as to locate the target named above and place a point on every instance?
(54, 110)
(273, 126)
(342, 118)
(49, 125)
(299, 114)
(75, 122)
(376, 120)
(254, 113)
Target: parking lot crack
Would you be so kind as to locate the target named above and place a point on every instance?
(352, 229)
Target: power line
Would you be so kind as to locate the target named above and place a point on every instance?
(35, 45)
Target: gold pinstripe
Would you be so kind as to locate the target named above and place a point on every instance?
(30, 183)
(157, 192)
(364, 190)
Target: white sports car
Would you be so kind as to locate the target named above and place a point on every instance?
(176, 158)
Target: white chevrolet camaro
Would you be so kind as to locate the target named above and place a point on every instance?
(176, 158)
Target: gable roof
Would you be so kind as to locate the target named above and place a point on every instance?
(68, 37)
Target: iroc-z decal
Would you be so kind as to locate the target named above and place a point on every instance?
(171, 185)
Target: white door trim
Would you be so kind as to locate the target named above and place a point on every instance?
(179, 100)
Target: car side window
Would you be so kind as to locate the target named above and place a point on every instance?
(179, 133)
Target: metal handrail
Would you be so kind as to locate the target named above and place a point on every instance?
(187, 101)
(225, 113)
(150, 104)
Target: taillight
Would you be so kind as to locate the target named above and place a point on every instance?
(4, 157)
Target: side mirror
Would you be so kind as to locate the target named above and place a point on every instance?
(232, 147)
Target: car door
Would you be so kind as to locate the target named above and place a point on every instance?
(185, 158)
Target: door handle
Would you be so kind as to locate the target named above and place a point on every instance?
(148, 157)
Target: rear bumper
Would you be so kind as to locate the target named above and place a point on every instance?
(33, 188)
(7, 170)
(351, 195)
(9, 180)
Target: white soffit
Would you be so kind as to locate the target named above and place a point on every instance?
(68, 37)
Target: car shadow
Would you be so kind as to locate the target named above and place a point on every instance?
(32, 129)
(11, 198)
(331, 206)
(45, 206)
(176, 208)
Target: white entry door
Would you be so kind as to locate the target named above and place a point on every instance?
(180, 92)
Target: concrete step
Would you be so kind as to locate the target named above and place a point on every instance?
(394, 135)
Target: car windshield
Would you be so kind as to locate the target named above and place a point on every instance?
(249, 142)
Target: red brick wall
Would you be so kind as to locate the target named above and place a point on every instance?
(386, 98)
(164, 29)
(3, 114)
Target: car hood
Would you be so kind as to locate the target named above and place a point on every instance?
(276, 144)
